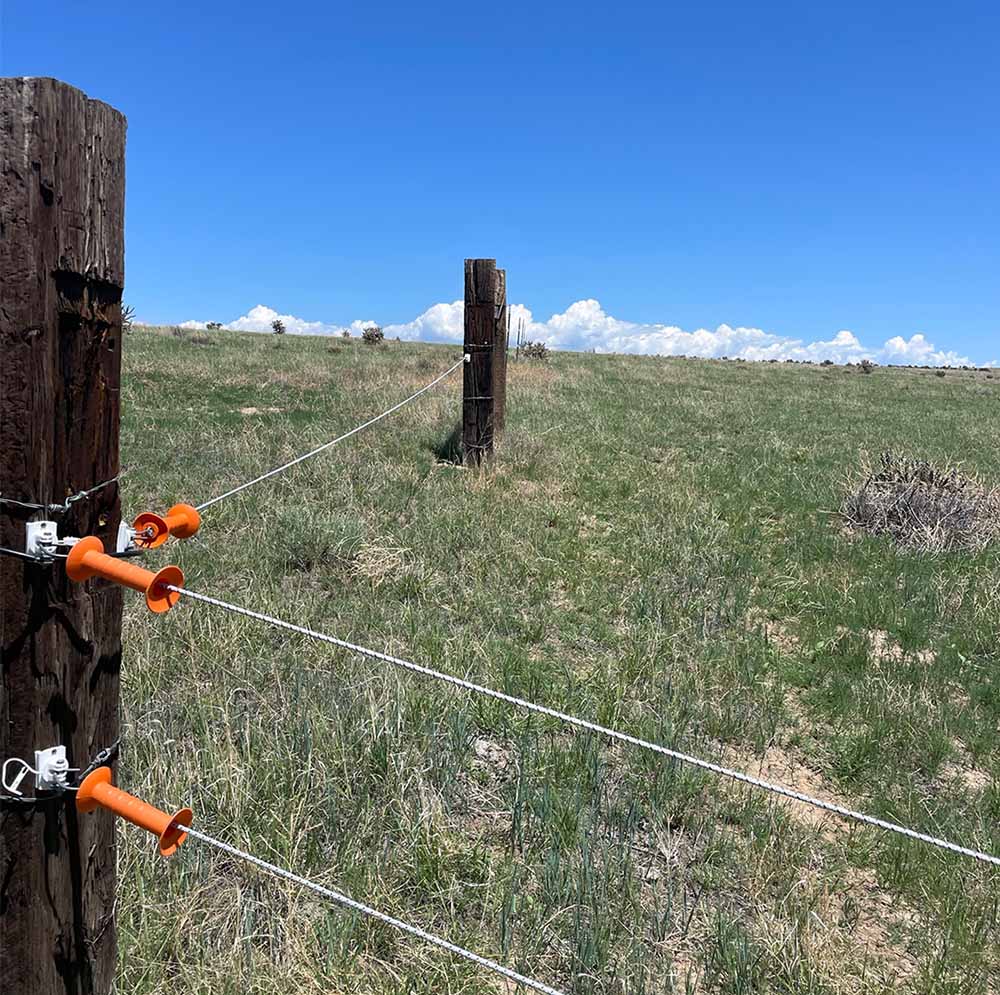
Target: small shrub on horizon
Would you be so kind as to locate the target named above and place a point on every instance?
(213, 326)
(373, 335)
(535, 350)
(278, 326)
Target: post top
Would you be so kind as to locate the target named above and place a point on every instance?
(38, 83)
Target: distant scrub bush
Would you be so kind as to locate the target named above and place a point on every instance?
(213, 326)
(373, 335)
(278, 326)
(535, 350)
(866, 366)
(923, 506)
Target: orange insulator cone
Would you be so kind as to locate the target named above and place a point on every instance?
(97, 791)
(87, 559)
(182, 521)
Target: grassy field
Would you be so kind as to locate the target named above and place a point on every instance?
(656, 548)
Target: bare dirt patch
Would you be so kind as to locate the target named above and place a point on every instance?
(781, 637)
(884, 649)
(491, 756)
(782, 767)
(870, 916)
(778, 633)
(963, 772)
(972, 779)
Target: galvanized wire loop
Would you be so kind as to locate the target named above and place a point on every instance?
(61, 508)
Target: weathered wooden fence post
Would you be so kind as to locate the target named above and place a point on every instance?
(62, 205)
(501, 338)
(485, 383)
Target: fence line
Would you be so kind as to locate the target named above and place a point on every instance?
(777, 789)
(332, 442)
(341, 899)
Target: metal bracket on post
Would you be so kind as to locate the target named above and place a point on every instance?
(126, 538)
(40, 539)
(51, 770)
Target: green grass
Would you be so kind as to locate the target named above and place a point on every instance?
(654, 548)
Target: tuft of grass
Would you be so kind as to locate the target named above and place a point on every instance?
(923, 506)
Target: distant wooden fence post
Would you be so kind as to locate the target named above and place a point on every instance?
(485, 382)
(62, 207)
(501, 337)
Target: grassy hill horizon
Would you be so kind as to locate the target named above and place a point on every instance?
(181, 330)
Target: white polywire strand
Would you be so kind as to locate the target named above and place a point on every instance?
(332, 442)
(366, 910)
(777, 789)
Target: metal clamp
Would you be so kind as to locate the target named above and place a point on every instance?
(40, 539)
(51, 771)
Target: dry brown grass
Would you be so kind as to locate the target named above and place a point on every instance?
(922, 506)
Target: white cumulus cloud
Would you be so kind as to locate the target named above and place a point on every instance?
(585, 325)
(918, 351)
(439, 323)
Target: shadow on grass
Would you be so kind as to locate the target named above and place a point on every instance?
(449, 449)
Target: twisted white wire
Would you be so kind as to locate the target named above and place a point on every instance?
(777, 789)
(350, 903)
(64, 506)
(332, 442)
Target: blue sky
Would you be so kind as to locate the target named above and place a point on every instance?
(789, 172)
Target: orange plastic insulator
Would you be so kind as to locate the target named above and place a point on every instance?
(98, 791)
(88, 559)
(182, 521)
